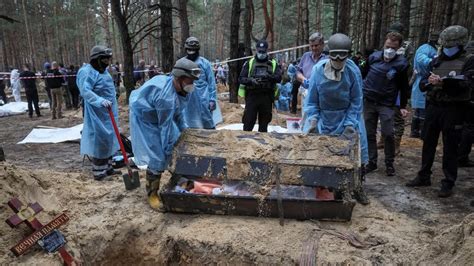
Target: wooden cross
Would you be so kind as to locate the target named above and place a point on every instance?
(26, 214)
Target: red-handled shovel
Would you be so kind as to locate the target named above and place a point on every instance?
(131, 178)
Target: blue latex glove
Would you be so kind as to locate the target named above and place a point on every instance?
(306, 83)
(212, 105)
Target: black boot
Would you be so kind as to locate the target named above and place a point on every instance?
(445, 192)
(419, 182)
(389, 169)
(370, 167)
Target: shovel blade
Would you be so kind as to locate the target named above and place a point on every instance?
(131, 182)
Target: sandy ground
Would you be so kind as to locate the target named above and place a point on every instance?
(111, 226)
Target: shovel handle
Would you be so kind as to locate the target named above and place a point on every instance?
(117, 134)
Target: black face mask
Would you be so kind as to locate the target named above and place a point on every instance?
(98, 65)
(192, 57)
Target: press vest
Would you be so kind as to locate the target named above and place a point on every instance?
(253, 64)
(454, 91)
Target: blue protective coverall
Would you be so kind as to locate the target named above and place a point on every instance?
(196, 112)
(421, 64)
(292, 72)
(336, 104)
(98, 137)
(283, 102)
(156, 121)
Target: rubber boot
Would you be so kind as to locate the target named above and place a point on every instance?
(152, 187)
(359, 192)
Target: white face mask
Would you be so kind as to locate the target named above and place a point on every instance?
(389, 53)
(188, 88)
(338, 64)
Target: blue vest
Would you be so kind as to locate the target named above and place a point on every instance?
(380, 83)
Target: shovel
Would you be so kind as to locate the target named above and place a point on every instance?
(131, 178)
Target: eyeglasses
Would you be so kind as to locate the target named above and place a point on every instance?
(338, 54)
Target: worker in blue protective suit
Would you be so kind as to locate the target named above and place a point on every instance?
(97, 88)
(421, 64)
(156, 120)
(283, 102)
(202, 101)
(334, 102)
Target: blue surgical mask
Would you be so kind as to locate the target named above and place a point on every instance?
(261, 55)
(450, 51)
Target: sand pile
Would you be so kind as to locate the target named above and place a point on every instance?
(231, 112)
(454, 246)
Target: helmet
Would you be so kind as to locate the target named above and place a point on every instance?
(453, 36)
(100, 51)
(339, 46)
(46, 65)
(192, 43)
(187, 68)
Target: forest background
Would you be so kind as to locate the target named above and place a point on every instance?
(38, 31)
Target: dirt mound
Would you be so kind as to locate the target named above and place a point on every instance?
(231, 112)
(454, 246)
(112, 226)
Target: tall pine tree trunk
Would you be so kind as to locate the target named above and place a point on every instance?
(377, 27)
(344, 17)
(167, 51)
(248, 26)
(405, 7)
(183, 19)
(335, 16)
(28, 35)
(234, 70)
(426, 23)
(448, 13)
(126, 46)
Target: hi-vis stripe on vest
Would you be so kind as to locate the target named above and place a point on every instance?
(251, 65)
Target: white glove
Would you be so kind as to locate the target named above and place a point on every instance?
(304, 93)
(106, 103)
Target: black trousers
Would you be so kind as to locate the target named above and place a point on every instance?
(257, 105)
(32, 99)
(467, 136)
(447, 120)
(372, 113)
(74, 91)
(3, 95)
(294, 96)
(417, 123)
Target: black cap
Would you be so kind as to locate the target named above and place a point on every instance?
(261, 46)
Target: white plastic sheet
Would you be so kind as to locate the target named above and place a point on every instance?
(53, 135)
(17, 108)
(13, 108)
(240, 126)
